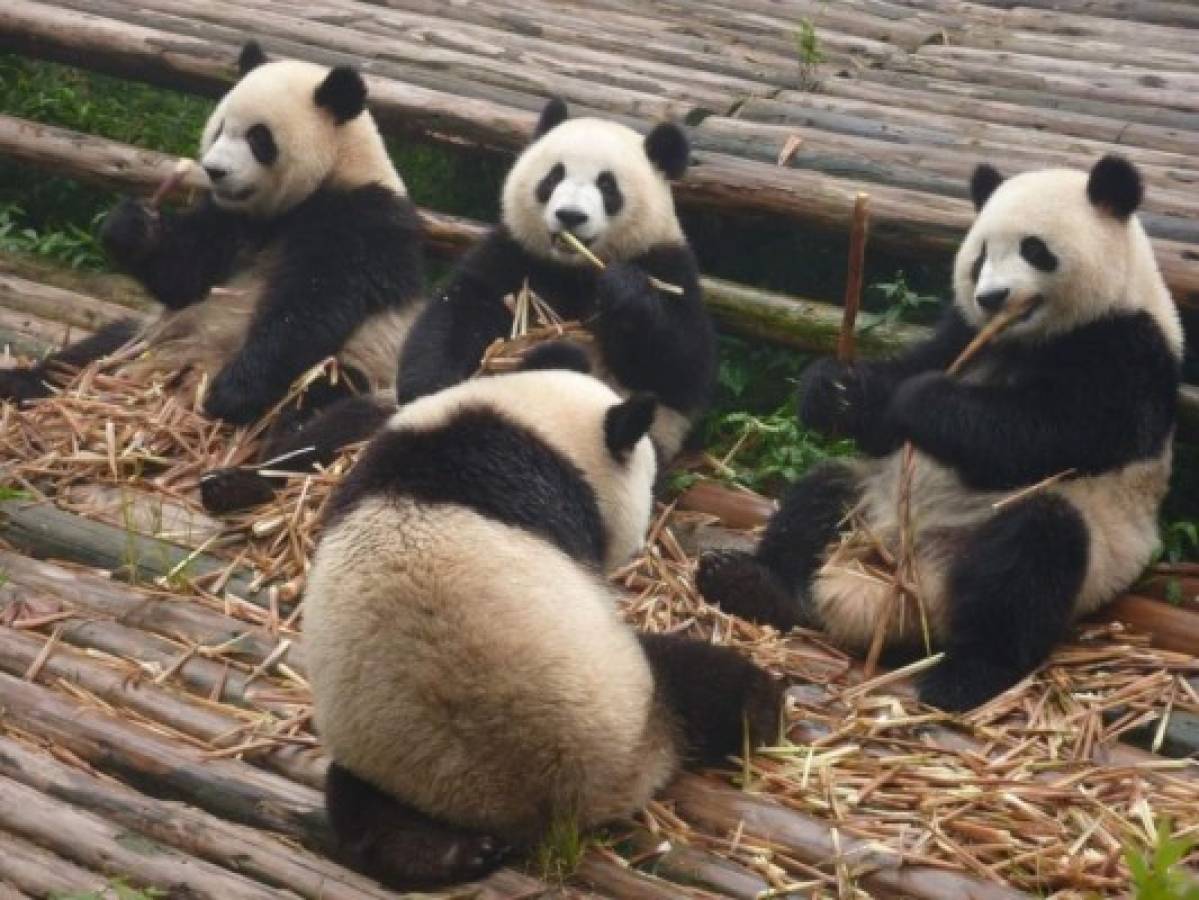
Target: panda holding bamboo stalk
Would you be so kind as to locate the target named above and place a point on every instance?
(1036, 471)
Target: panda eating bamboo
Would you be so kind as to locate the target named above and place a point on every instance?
(1038, 470)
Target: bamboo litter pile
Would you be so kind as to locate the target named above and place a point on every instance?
(147, 439)
(1030, 790)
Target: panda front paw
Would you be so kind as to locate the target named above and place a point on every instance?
(130, 232)
(22, 385)
(627, 299)
(832, 398)
(235, 398)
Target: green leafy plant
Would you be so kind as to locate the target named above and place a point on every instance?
(809, 54)
(558, 855)
(767, 452)
(72, 245)
(902, 304)
(1158, 872)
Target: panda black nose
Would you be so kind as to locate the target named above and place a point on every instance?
(571, 218)
(992, 300)
(215, 173)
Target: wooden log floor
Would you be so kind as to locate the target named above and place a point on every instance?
(154, 715)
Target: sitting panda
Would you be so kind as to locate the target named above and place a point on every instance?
(607, 186)
(1085, 383)
(472, 680)
(307, 228)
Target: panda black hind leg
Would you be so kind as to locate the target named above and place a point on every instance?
(714, 692)
(770, 584)
(404, 849)
(23, 384)
(1012, 595)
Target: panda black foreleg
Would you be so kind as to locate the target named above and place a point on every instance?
(715, 693)
(769, 585)
(30, 383)
(296, 445)
(404, 849)
(1012, 595)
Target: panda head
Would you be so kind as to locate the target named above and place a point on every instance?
(1064, 240)
(604, 437)
(599, 180)
(286, 129)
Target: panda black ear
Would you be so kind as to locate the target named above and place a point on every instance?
(627, 423)
(343, 93)
(553, 115)
(556, 355)
(250, 58)
(1115, 186)
(668, 149)
(983, 183)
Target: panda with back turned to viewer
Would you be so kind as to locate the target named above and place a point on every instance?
(608, 186)
(473, 682)
(1081, 390)
(306, 232)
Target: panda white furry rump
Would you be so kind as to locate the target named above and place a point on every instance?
(305, 247)
(1083, 387)
(609, 187)
(472, 680)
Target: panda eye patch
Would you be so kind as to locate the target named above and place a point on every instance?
(610, 191)
(976, 269)
(262, 144)
(1037, 254)
(546, 186)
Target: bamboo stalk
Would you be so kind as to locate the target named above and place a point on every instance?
(585, 251)
(859, 227)
(40, 873)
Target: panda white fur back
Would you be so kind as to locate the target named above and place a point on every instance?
(471, 676)
(305, 247)
(609, 187)
(1080, 391)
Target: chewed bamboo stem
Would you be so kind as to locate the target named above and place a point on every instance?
(584, 251)
(181, 170)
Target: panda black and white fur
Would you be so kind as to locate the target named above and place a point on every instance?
(608, 186)
(473, 683)
(1087, 382)
(307, 229)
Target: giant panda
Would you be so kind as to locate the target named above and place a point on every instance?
(609, 187)
(306, 230)
(473, 683)
(1085, 384)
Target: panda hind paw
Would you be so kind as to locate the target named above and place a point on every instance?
(960, 683)
(741, 585)
(408, 860)
(21, 385)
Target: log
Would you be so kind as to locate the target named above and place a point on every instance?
(628, 884)
(192, 831)
(40, 873)
(48, 302)
(47, 531)
(98, 843)
(137, 610)
(723, 810)
(228, 788)
(912, 222)
(120, 290)
(745, 310)
(122, 688)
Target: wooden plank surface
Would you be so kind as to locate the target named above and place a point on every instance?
(467, 73)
